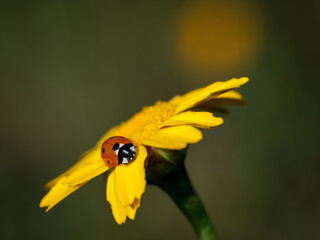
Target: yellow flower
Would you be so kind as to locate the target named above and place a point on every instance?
(165, 125)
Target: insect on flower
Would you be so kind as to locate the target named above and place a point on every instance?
(117, 150)
(123, 150)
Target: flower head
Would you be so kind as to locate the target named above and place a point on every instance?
(166, 125)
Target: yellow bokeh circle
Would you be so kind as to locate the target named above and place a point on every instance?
(219, 36)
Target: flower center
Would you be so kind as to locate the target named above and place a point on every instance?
(147, 122)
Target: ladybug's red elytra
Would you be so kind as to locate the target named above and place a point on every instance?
(117, 150)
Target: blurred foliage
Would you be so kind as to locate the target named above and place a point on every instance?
(72, 69)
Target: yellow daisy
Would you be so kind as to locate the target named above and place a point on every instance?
(165, 125)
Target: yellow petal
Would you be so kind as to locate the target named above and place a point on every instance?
(133, 209)
(199, 96)
(86, 172)
(119, 211)
(87, 158)
(57, 193)
(228, 98)
(162, 142)
(197, 119)
(130, 182)
(177, 137)
(180, 98)
(234, 95)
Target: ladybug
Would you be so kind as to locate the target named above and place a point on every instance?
(117, 150)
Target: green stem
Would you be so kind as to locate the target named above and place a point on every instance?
(166, 169)
(178, 186)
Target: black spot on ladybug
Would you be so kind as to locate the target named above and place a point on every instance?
(102, 150)
(115, 146)
(108, 162)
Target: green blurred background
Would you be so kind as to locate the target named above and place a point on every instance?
(70, 70)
